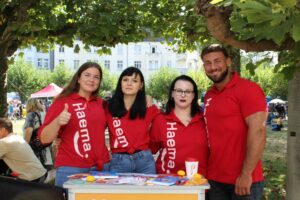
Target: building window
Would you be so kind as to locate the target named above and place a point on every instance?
(153, 50)
(120, 65)
(40, 63)
(137, 49)
(107, 64)
(150, 64)
(153, 64)
(76, 64)
(89, 49)
(120, 50)
(61, 49)
(138, 64)
(46, 63)
(156, 64)
(61, 61)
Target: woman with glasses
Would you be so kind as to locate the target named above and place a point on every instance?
(129, 120)
(179, 133)
(77, 117)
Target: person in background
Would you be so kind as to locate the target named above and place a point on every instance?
(34, 119)
(129, 121)
(20, 107)
(18, 155)
(276, 123)
(235, 115)
(11, 110)
(77, 117)
(179, 133)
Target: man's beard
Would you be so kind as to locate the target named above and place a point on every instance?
(220, 78)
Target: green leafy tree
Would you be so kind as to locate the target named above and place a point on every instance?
(159, 83)
(256, 26)
(260, 25)
(24, 79)
(109, 82)
(265, 25)
(61, 75)
(199, 76)
(273, 84)
(45, 22)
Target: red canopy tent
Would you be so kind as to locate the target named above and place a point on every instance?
(51, 90)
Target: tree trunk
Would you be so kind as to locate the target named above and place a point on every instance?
(293, 143)
(3, 83)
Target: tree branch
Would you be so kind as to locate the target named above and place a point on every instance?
(218, 24)
(17, 15)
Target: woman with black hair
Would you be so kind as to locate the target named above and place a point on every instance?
(129, 120)
(77, 117)
(179, 133)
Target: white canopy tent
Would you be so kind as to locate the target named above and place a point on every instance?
(51, 90)
(275, 101)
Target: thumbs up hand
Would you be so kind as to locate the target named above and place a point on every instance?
(64, 117)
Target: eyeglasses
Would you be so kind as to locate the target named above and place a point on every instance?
(180, 92)
(91, 76)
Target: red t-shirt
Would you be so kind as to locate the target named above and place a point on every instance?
(127, 135)
(225, 113)
(82, 139)
(177, 142)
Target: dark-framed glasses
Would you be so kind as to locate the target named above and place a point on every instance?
(180, 92)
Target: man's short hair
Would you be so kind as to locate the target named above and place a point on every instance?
(214, 48)
(7, 124)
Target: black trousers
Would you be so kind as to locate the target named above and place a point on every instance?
(16, 189)
(4, 169)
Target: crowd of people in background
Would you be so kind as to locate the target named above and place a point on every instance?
(227, 135)
(16, 110)
(277, 115)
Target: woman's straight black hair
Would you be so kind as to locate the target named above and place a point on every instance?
(116, 104)
(171, 103)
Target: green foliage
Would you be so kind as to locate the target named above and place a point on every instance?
(276, 20)
(288, 62)
(275, 171)
(24, 79)
(109, 82)
(177, 22)
(61, 75)
(275, 164)
(97, 22)
(159, 83)
(199, 76)
(265, 19)
(273, 84)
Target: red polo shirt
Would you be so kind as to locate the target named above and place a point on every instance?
(82, 139)
(225, 113)
(177, 142)
(127, 135)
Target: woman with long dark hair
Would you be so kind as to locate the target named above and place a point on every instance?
(129, 120)
(77, 117)
(179, 133)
